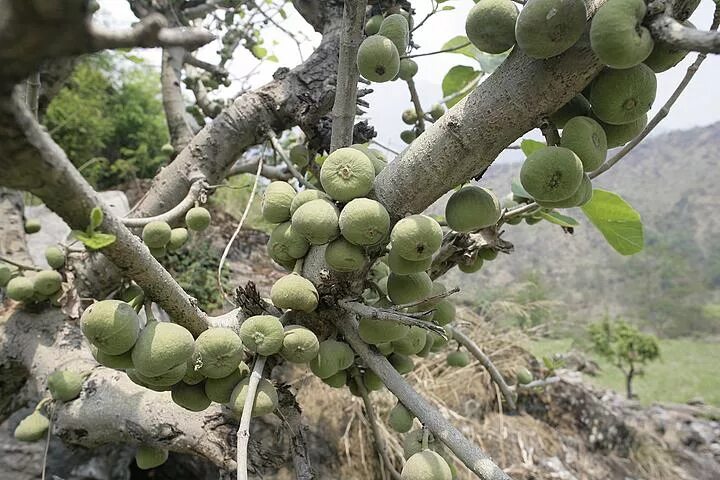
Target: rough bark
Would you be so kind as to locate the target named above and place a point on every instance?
(173, 103)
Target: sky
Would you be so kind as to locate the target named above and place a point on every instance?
(699, 105)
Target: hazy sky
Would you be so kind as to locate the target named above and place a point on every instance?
(699, 105)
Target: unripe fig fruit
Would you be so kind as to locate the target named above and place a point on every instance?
(167, 149)
(664, 56)
(401, 266)
(408, 136)
(578, 106)
(376, 331)
(294, 292)
(402, 363)
(286, 245)
(190, 397)
(347, 173)
(55, 257)
(178, 237)
(65, 385)
(262, 334)
(332, 357)
(197, 219)
(300, 345)
(396, 28)
(403, 289)
(378, 59)
(20, 289)
(218, 351)
(409, 116)
(192, 374)
(412, 343)
(371, 381)
(490, 25)
(416, 237)
(343, 256)
(219, 389)
(276, 202)
(437, 111)
(472, 208)
(587, 139)
(623, 96)
(581, 196)
(551, 173)
(148, 457)
(372, 27)
(426, 465)
(156, 234)
(364, 222)
(118, 362)
(162, 381)
(32, 225)
(400, 418)
(458, 359)
(619, 135)
(444, 312)
(47, 282)
(338, 380)
(524, 376)
(408, 69)
(32, 428)
(160, 347)
(307, 196)
(299, 155)
(111, 325)
(617, 34)
(474, 265)
(266, 398)
(5, 274)
(546, 28)
(317, 221)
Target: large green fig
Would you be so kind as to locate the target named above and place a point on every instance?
(587, 139)
(412, 343)
(377, 331)
(300, 345)
(426, 465)
(190, 397)
(178, 237)
(65, 385)
(396, 28)
(490, 25)
(266, 398)
(111, 325)
(262, 334)
(197, 219)
(219, 389)
(148, 457)
(404, 289)
(581, 196)
(458, 359)
(317, 221)
(160, 347)
(364, 222)
(623, 96)
(372, 27)
(408, 69)
(551, 173)
(218, 351)
(307, 196)
(472, 208)
(286, 245)
(664, 56)
(400, 418)
(32, 428)
(617, 34)
(347, 173)
(546, 28)
(20, 289)
(294, 292)
(156, 234)
(343, 256)
(401, 266)
(276, 202)
(332, 357)
(578, 106)
(416, 237)
(47, 282)
(5, 274)
(299, 155)
(378, 59)
(619, 135)
(55, 257)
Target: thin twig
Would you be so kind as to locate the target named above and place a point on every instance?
(384, 147)
(288, 163)
(418, 106)
(412, 320)
(47, 440)
(237, 230)
(243, 433)
(539, 383)
(664, 111)
(514, 212)
(19, 265)
(196, 189)
(439, 296)
(343, 111)
(445, 50)
(378, 441)
(485, 361)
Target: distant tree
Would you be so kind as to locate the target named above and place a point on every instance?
(624, 346)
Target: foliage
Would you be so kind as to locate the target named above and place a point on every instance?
(109, 120)
(91, 237)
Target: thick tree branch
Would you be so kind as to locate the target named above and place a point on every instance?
(271, 172)
(173, 103)
(666, 29)
(474, 458)
(31, 161)
(197, 189)
(485, 361)
(343, 112)
(150, 32)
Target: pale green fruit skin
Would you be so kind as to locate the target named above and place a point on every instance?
(276, 202)
(619, 135)
(546, 28)
(378, 59)
(412, 443)
(372, 382)
(294, 292)
(372, 27)
(160, 347)
(167, 149)
(347, 173)
(402, 363)
(403, 289)
(578, 106)
(396, 28)
(299, 155)
(307, 196)
(20, 289)
(408, 69)
(192, 374)
(401, 266)
(178, 237)
(332, 357)
(409, 117)
(375, 331)
(343, 256)
(111, 325)
(32, 225)
(317, 221)
(300, 345)
(163, 381)
(286, 245)
(581, 196)
(524, 376)
(65, 385)
(220, 389)
(408, 136)
(439, 342)
(412, 343)
(487, 254)
(266, 398)
(138, 379)
(474, 266)
(617, 36)
(378, 160)
(664, 56)
(262, 334)
(458, 359)
(158, 252)
(218, 351)
(429, 341)
(32, 428)
(379, 270)
(587, 139)
(55, 257)
(416, 237)
(156, 234)
(338, 380)
(426, 465)
(47, 282)
(118, 362)
(190, 397)
(623, 96)
(384, 348)
(400, 419)
(5, 274)
(490, 25)
(148, 457)
(444, 312)
(364, 222)
(197, 219)
(472, 208)
(551, 173)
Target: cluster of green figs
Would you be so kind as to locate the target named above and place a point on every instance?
(34, 287)
(161, 238)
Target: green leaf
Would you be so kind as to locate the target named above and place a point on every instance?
(447, 7)
(559, 219)
(258, 51)
(519, 191)
(457, 78)
(619, 223)
(489, 62)
(469, 50)
(272, 58)
(96, 241)
(530, 146)
(96, 218)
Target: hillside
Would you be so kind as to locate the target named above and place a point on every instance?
(671, 287)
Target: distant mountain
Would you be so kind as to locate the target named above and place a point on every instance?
(672, 286)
